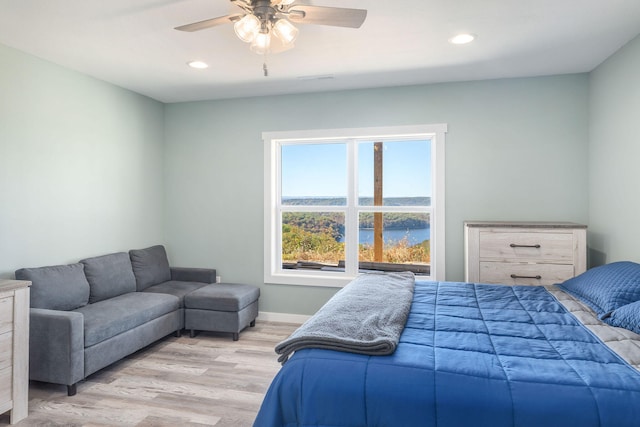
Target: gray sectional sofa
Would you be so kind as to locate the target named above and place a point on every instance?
(86, 316)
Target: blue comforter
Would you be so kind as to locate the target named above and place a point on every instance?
(470, 355)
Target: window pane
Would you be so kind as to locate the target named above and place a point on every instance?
(312, 239)
(404, 242)
(405, 167)
(314, 174)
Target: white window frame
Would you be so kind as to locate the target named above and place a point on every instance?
(273, 271)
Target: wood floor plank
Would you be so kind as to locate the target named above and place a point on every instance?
(209, 380)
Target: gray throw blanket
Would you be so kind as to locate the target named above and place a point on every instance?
(367, 316)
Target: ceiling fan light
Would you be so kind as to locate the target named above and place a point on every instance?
(261, 43)
(463, 38)
(285, 31)
(247, 28)
(198, 65)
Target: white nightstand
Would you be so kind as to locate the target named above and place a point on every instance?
(14, 348)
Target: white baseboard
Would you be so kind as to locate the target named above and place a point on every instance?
(283, 317)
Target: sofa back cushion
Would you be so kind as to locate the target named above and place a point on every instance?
(150, 266)
(58, 287)
(109, 276)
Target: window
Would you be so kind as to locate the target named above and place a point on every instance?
(343, 201)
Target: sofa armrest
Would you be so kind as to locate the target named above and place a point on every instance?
(186, 274)
(56, 346)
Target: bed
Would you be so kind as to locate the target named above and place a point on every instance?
(482, 355)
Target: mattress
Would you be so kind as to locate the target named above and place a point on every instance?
(470, 354)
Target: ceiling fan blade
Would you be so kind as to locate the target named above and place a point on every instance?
(243, 4)
(320, 15)
(208, 23)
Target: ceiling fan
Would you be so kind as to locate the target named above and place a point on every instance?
(259, 19)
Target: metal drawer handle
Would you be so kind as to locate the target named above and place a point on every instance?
(513, 245)
(515, 276)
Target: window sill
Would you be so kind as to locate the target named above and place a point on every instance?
(297, 278)
(326, 279)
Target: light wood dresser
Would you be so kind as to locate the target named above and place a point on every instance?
(14, 348)
(524, 253)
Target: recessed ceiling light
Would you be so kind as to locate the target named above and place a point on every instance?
(198, 64)
(462, 39)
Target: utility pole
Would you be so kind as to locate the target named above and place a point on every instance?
(378, 225)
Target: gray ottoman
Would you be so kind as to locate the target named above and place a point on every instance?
(221, 307)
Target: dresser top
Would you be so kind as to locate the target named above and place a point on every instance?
(519, 224)
(9, 285)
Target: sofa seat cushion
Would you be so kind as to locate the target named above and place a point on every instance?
(58, 287)
(230, 297)
(108, 318)
(109, 276)
(176, 288)
(150, 266)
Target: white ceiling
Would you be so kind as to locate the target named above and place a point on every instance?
(132, 43)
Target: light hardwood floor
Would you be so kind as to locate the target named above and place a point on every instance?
(209, 380)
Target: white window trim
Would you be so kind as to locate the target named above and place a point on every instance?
(273, 272)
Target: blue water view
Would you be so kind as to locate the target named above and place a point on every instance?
(414, 235)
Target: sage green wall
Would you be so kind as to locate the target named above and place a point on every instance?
(81, 165)
(614, 157)
(516, 150)
(84, 171)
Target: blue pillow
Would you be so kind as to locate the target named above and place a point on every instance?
(607, 287)
(627, 316)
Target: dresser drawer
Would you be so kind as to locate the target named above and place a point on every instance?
(512, 273)
(6, 314)
(530, 246)
(6, 349)
(6, 385)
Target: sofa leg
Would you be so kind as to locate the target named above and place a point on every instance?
(253, 323)
(178, 333)
(236, 336)
(192, 333)
(72, 389)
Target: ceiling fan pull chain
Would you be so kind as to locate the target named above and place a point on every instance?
(264, 66)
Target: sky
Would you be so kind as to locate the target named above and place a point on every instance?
(320, 170)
